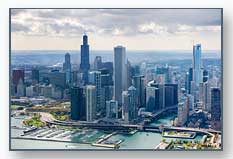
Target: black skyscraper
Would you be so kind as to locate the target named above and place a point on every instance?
(215, 104)
(78, 109)
(85, 65)
(190, 78)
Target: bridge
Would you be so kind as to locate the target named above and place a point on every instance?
(133, 126)
(154, 115)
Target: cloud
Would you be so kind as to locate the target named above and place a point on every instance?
(113, 22)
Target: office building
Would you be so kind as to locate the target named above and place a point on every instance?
(120, 73)
(205, 76)
(78, 106)
(16, 76)
(112, 109)
(85, 63)
(94, 78)
(139, 84)
(67, 68)
(197, 64)
(20, 89)
(35, 76)
(183, 111)
(90, 103)
(97, 63)
(215, 104)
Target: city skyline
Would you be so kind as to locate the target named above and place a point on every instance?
(168, 29)
(171, 101)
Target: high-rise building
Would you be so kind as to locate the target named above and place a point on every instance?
(139, 84)
(129, 109)
(164, 72)
(205, 76)
(47, 91)
(97, 63)
(197, 64)
(90, 102)
(206, 96)
(190, 78)
(132, 103)
(152, 98)
(171, 94)
(183, 111)
(78, 106)
(201, 95)
(35, 76)
(17, 75)
(67, 68)
(56, 78)
(120, 73)
(190, 101)
(94, 78)
(20, 88)
(74, 78)
(216, 108)
(128, 73)
(215, 104)
(159, 96)
(85, 63)
(125, 106)
(106, 87)
(197, 70)
(112, 109)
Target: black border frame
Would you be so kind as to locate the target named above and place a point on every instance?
(114, 150)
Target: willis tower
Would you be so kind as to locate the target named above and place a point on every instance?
(85, 65)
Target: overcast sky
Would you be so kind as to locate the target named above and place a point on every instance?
(136, 29)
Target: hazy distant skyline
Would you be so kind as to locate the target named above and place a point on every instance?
(136, 29)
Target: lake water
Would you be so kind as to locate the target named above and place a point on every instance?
(140, 140)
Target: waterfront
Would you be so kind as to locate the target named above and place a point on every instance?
(139, 140)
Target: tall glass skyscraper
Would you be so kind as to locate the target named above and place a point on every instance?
(197, 64)
(90, 102)
(94, 78)
(120, 73)
(78, 108)
(85, 64)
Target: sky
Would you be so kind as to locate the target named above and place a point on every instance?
(136, 29)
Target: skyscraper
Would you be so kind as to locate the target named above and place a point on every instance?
(90, 102)
(85, 64)
(171, 94)
(97, 62)
(129, 109)
(35, 76)
(132, 103)
(17, 75)
(120, 73)
(197, 64)
(138, 83)
(152, 96)
(215, 104)
(78, 107)
(94, 78)
(205, 76)
(183, 111)
(216, 108)
(112, 109)
(67, 68)
(190, 78)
